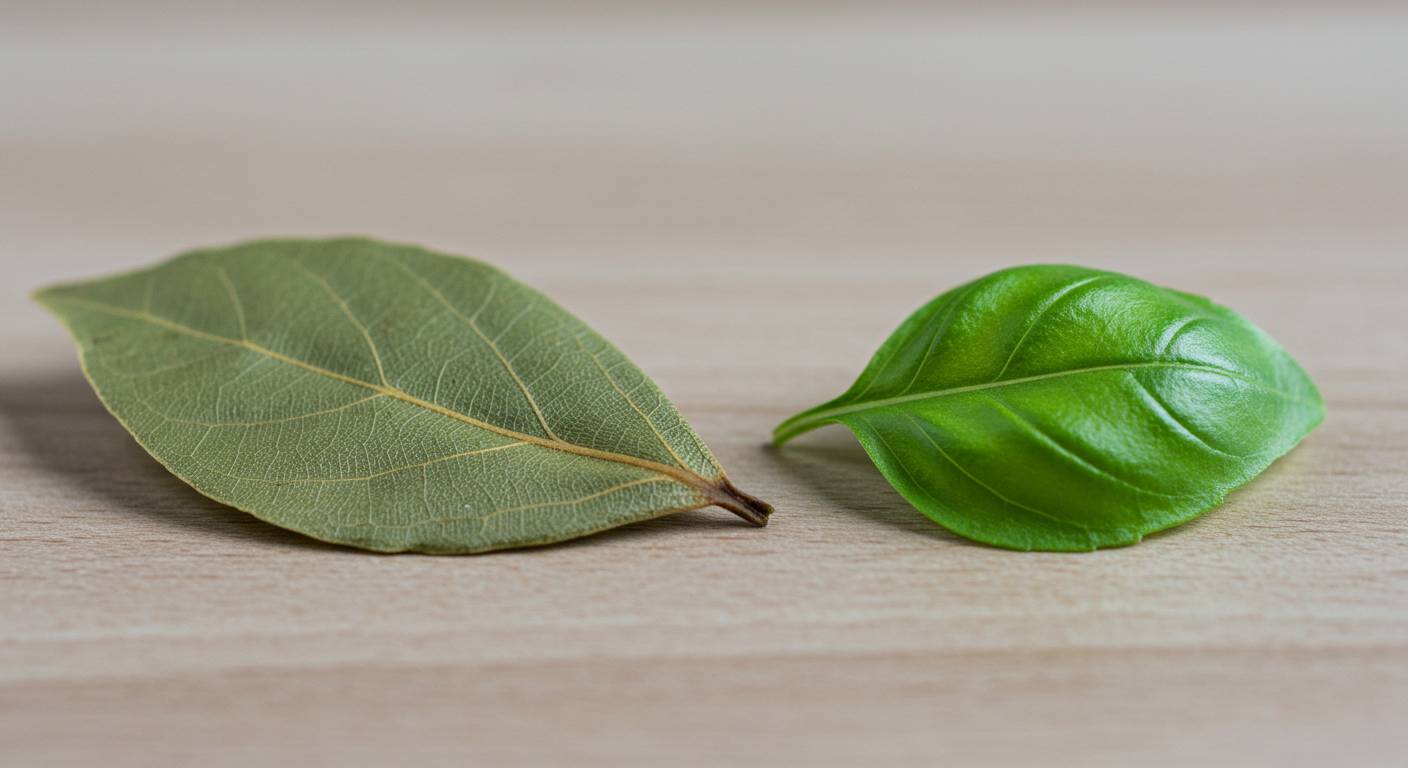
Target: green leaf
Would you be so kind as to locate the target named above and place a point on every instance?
(1062, 408)
(386, 397)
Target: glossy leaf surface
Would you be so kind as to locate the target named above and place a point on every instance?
(1063, 408)
(386, 397)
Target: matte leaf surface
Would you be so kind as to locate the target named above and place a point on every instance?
(1063, 408)
(386, 397)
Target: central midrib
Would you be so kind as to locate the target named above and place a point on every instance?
(791, 426)
(708, 489)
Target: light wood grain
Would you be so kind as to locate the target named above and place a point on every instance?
(747, 202)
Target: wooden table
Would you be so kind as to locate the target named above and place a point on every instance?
(747, 203)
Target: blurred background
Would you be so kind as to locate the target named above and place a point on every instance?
(1055, 130)
(781, 183)
(709, 141)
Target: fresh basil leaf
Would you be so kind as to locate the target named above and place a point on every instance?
(386, 397)
(1062, 408)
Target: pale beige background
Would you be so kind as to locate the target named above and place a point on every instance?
(746, 199)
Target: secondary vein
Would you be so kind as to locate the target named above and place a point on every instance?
(473, 325)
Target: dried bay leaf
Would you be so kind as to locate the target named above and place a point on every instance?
(386, 397)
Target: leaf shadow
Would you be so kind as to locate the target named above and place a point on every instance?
(63, 431)
(646, 533)
(832, 464)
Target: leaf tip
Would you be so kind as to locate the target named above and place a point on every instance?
(41, 296)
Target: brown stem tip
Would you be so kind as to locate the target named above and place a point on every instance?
(748, 507)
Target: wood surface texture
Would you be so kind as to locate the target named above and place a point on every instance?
(747, 201)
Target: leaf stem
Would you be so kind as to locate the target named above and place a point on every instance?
(802, 423)
(746, 506)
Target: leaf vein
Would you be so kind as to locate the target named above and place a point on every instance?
(234, 299)
(630, 401)
(709, 489)
(1171, 419)
(362, 478)
(1043, 309)
(473, 325)
(988, 488)
(347, 310)
(525, 507)
(1051, 442)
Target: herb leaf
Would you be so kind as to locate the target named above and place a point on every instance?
(386, 397)
(1062, 408)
